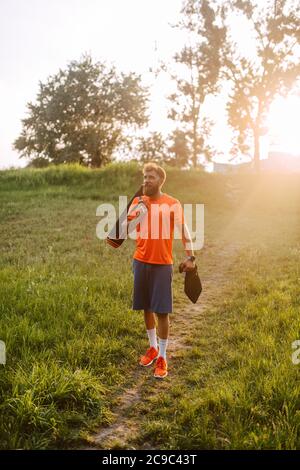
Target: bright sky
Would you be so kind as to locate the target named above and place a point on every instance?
(38, 37)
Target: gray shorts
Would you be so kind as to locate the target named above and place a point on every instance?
(152, 288)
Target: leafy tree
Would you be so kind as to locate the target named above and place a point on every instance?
(257, 80)
(198, 75)
(81, 114)
(152, 148)
(179, 149)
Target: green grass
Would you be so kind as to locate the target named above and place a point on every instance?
(65, 310)
(238, 388)
(72, 339)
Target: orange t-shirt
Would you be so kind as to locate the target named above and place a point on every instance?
(155, 231)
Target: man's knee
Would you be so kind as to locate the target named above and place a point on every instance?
(163, 317)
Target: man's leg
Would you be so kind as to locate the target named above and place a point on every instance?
(152, 352)
(163, 325)
(163, 333)
(150, 323)
(149, 318)
(161, 367)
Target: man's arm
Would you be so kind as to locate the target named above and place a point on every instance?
(188, 264)
(188, 246)
(187, 241)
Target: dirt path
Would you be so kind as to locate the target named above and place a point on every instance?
(229, 234)
(217, 260)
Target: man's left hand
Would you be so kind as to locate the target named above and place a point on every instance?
(188, 265)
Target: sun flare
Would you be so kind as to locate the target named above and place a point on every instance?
(284, 124)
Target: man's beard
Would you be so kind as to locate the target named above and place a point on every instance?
(150, 190)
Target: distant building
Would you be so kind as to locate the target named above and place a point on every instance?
(232, 168)
(282, 162)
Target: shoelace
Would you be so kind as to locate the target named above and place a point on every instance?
(160, 362)
(149, 352)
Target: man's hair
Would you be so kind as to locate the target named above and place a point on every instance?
(152, 166)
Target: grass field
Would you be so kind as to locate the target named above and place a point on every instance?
(73, 342)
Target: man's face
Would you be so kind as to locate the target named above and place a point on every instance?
(152, 183)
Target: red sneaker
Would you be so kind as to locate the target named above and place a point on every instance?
(149, 357)
(161, 368)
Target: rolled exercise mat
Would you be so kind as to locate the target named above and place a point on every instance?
(113, 237)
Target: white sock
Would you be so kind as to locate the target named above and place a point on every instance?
(163, 343)
(152, 338)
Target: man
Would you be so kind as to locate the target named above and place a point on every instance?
(153, 262)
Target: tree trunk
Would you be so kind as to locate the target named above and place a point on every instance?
(256, 151)
(96, 159)
(194, 145)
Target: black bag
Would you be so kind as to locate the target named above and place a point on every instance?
(113, 237)
(192, 283)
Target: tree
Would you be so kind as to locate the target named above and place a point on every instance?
(200, 68)
(257, 80)
(152, 148)
(179, 149)
(81, 114)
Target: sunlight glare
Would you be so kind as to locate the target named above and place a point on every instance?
(284, 124)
